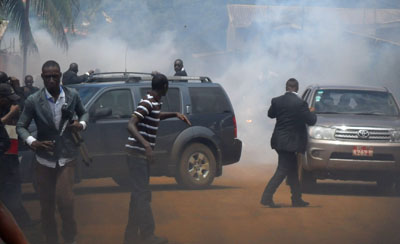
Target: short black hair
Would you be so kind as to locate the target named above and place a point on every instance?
(292, 83)
(178, 60)
(3, 77)
(28, 76)
(50, 63)
(158, 82)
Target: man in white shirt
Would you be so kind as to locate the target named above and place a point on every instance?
(55, 153)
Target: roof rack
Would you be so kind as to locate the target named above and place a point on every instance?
(140, 76)
(203, 79)
(116, 76)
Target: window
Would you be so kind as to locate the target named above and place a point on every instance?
(86, 93)
(355, 102)
(305, 95)
(209, 100)
(119, 101)
(171, 102)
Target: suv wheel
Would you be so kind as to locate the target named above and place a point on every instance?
(197, 167)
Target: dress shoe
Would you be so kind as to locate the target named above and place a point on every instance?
(154, 240)
(269, 203)
(300, 203)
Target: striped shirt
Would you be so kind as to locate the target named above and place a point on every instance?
(148, 113)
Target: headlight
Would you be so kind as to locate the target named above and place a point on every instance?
(322, 133)
(395, 136)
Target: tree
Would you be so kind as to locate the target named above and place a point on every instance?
(54, 14)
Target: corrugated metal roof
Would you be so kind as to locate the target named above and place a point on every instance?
(245, 15)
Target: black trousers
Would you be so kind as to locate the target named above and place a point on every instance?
(10, 189)
(287, 167)
(140, 219)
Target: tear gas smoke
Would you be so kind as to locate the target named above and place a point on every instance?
(313, 45)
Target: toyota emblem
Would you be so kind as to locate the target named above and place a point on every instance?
(363, 134)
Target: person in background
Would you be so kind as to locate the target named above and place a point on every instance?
(71, 75)
(10, 182)
(29, 89)
(179, 69)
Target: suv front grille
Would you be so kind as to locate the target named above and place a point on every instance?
(363, 134)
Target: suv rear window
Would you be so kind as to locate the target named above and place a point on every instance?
(355, 102)
(209, 100)
(86, 93)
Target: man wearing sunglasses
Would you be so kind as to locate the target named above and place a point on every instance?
(55, 150)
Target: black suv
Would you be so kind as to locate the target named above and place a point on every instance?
(193, 155)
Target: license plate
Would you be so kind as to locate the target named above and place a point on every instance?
(363, 151)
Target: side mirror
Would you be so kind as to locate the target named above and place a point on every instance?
(101, 113)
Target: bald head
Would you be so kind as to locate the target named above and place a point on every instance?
(292, 85)
(73, 67)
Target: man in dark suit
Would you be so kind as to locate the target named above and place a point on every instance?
(71, 75)
(55, 149)
(289, 138)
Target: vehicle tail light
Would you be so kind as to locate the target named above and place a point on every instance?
(234, 126)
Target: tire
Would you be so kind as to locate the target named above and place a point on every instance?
(197, 167)
(306, 178)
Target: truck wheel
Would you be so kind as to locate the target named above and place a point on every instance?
(197, 167)
(307, 180)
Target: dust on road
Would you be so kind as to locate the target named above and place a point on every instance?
(230, 212)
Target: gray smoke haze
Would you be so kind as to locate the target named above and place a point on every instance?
(314, 46)
(311, 44)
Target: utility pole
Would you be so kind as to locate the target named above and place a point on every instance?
(25, 38)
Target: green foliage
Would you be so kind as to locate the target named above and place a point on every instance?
(54, 14)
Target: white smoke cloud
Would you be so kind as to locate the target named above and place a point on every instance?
(312, 46)
(107, 54)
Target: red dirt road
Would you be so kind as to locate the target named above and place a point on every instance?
(230, 212)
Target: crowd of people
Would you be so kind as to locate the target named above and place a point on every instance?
(56, 154)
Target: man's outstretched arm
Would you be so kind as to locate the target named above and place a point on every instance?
(166, 115)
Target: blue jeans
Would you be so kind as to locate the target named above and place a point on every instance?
(10, 189)
(140, 219)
